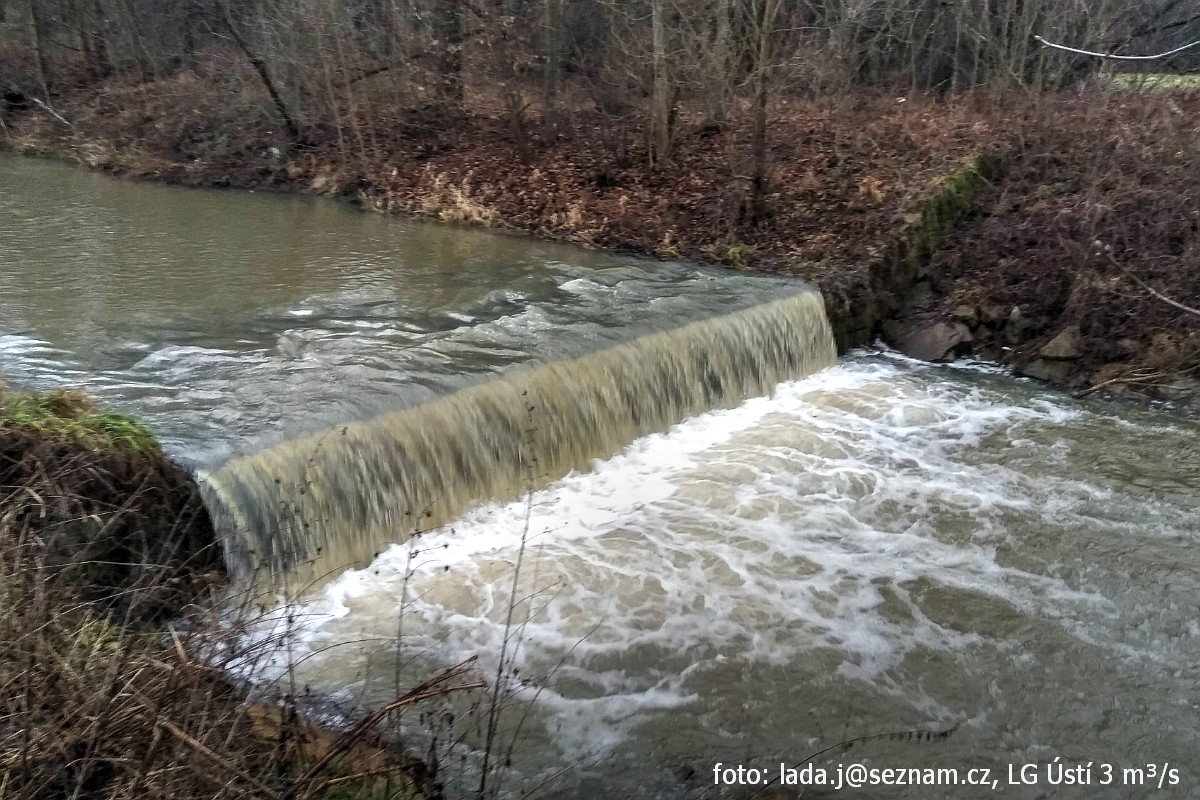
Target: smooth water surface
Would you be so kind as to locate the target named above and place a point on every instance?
(223, 318)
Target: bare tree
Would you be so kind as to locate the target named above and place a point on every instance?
(662, 95)
(719, 61)
(765, 12)
(345, 65)
(260, 68)
(39, 51)
(551, 65)
(448, 29)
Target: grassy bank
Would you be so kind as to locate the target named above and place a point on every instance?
(103, 509)
(108, 567)
(966, 223)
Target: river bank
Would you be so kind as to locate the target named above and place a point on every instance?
(109, 576)
(1065, 256)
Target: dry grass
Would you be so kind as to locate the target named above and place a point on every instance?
(93, 709)
(99, 696)
(450, 202)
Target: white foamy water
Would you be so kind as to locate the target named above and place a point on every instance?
(878, 547)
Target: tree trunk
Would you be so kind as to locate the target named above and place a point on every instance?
(718, 94)
(103, 66)
(551, 50)
(660, 112)
(449, 30)
(39, 53)
(190, 24)
(260, 67)
(516, 124)
(146, 68)
(764, 29)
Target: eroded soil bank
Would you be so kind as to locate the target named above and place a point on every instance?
(1056, 233)
(110, 685)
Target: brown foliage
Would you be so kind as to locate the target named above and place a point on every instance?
(1099, 209)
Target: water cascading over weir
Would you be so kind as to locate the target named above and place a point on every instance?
(307, 508)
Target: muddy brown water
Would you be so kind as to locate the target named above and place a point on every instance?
(880, 546)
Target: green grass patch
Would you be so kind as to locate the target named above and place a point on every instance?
(1150, 82)
(72, 415)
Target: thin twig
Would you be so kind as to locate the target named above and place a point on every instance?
(428, 690)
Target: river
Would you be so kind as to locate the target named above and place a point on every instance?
(882, 546)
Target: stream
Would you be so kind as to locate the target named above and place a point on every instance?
(883, 546)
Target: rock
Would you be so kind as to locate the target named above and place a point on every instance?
(993, 314)
(936, 342)
(919, 297)
(1064, 346)
(892, 330)
(1045, 369)
(311, 742)
(1017, 327)
(966, 314)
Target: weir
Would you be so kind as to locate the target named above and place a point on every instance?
(304, 509)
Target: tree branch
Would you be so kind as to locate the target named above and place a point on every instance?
(1159, 295)
(49, 110)
(1113, 57)
(1153, 292)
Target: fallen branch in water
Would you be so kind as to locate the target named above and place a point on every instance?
(1144, 378)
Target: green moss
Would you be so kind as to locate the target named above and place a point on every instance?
(892, 274)
(71, 415)
(953, 196)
